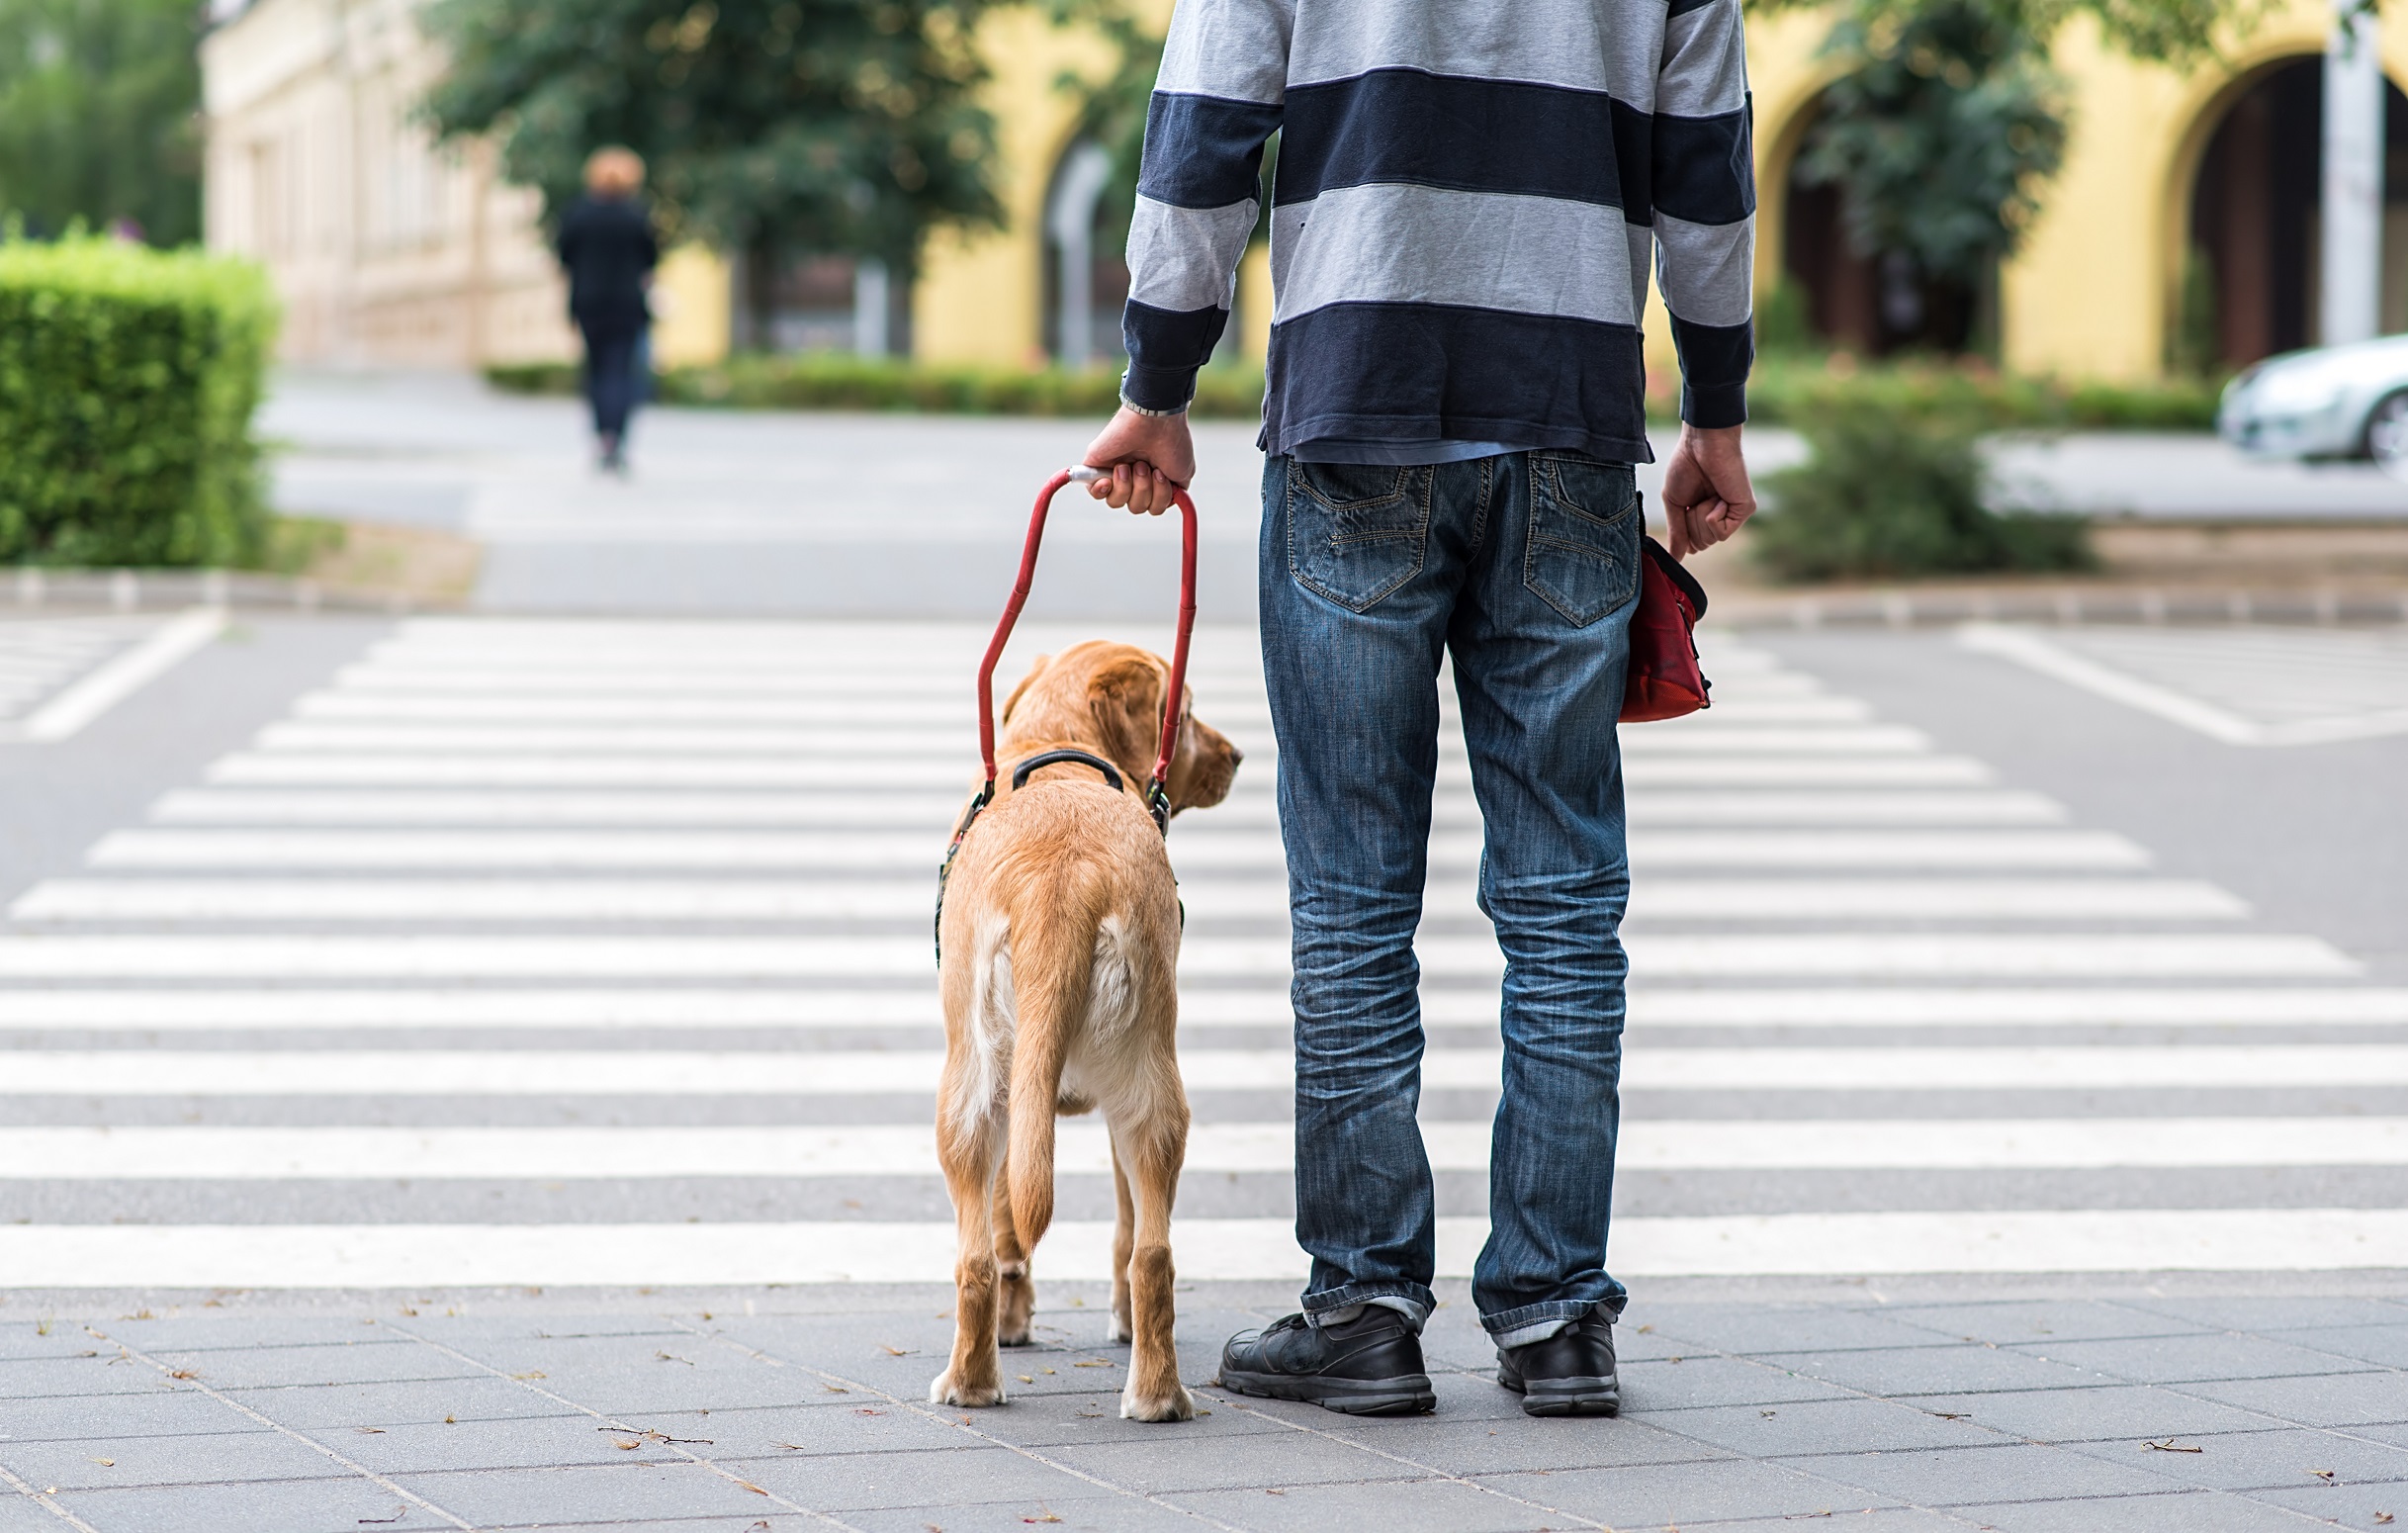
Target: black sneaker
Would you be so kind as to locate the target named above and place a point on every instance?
(1370, 1365)
(1568, 1374)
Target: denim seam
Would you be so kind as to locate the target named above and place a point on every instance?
(1363, 1292)
(1552, 1309)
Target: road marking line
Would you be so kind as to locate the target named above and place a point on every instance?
(312, 1256)
(1083, 1149)
(1199, 848)
(703, 1072)
(1838, 954)
(112, 682)
(1207, 899)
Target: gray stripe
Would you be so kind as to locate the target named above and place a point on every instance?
(1185, 258)
(1608, 45)
(1236, 50)
(1707, 270)
(1643, 253)
(1704, 62)
(1422, 244)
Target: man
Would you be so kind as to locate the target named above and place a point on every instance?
(1468, 195)
(607, 248)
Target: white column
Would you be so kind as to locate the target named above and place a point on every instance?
(1071, 221)
(870, 307)
(2351, 278)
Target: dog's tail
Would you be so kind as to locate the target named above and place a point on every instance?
(1052, 969)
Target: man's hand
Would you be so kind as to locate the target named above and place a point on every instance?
(1705, 492)
(1151, 458)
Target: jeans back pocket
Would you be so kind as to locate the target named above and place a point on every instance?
(1583, 558)
(1356, 531)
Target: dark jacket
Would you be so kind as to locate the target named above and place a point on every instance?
(606, 246)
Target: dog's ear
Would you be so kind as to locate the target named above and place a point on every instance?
(1027, 682)
(1126, 696)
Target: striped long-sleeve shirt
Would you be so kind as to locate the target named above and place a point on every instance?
(1466, 195)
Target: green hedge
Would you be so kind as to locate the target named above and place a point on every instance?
(1787, 389)
(1792, 389)
(815, 379)
(127, 379)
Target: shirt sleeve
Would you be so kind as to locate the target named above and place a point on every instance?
(1216, 102)
(1705, 206)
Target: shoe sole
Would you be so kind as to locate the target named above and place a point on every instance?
(1569, 1397)
(1409, 1395)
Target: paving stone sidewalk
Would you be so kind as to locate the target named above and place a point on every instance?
(2192, 1405)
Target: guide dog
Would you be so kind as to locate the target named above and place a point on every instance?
(1058, 929)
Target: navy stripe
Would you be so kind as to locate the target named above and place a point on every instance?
(1165, 348)
(1470, 135)
(1202, 151)
(1423, 372)
(1684, 7)
(1705, 166)
(1714, 363)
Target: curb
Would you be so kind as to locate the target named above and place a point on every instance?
(32, 589)
(2067, 605)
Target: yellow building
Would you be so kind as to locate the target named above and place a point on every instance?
(388, 250)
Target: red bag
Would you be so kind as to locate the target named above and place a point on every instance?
(1665, 680)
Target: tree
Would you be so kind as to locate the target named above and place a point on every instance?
(98, 104)
(1947, 124)
(772, 127)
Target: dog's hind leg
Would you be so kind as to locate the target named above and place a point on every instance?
(1154, 1144)
(1124, 1242)
(1016, 1286)
(969, 1152)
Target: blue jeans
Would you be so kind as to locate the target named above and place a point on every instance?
(1525, 569)
(612, 385)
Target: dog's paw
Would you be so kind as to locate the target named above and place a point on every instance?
(945, 1392)
(1118, 1331)
(1015, 1338)
(1177, 1406)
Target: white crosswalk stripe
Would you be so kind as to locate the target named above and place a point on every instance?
(629, 922)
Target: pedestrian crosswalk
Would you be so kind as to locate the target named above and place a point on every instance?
(591, 951)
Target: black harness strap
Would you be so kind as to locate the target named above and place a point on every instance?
(1157, 804)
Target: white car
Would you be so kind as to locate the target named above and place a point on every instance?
(2336, 401)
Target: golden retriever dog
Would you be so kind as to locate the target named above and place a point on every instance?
(1060, 940)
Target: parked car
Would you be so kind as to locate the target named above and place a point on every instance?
(2335, 401)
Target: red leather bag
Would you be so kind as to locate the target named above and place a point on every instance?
(1665, 680)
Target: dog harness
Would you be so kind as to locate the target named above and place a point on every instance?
(1174, 697)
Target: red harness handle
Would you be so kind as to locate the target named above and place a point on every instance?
(1156, 789)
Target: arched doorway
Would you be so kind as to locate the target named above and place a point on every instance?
(1086, 276)
(2250, 285)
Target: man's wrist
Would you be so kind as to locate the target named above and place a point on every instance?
(1136, 409)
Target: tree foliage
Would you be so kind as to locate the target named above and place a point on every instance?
(98, 104)
(776, 128)
(1940, 136)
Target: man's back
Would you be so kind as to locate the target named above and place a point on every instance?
(606, 245)
(1465, 199)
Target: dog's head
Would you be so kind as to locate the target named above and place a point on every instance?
(1108, 697)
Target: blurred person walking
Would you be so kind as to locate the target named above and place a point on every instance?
(1468, 194)
(607, 248)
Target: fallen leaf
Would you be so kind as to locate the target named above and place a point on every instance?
(896, 1352)
(2324, 1474)
(629, 1447)
(1275, 1492)
(1767, 1412)
(1647, 1330)
(1048, 1518)
(836, 1389)
(399, 1512)
(1953, 1415)
(106, 1463)
(183, 1372)
(756, 1489)
(369, 1431)
(1048, 1370)
(536, 1374)
(667, 1358)
(1098, 1363)
(451, 1420)
(864, 1410)
(1029, 1378)
(2382, 1518)
(2170, 1446)
(1672, 1359)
